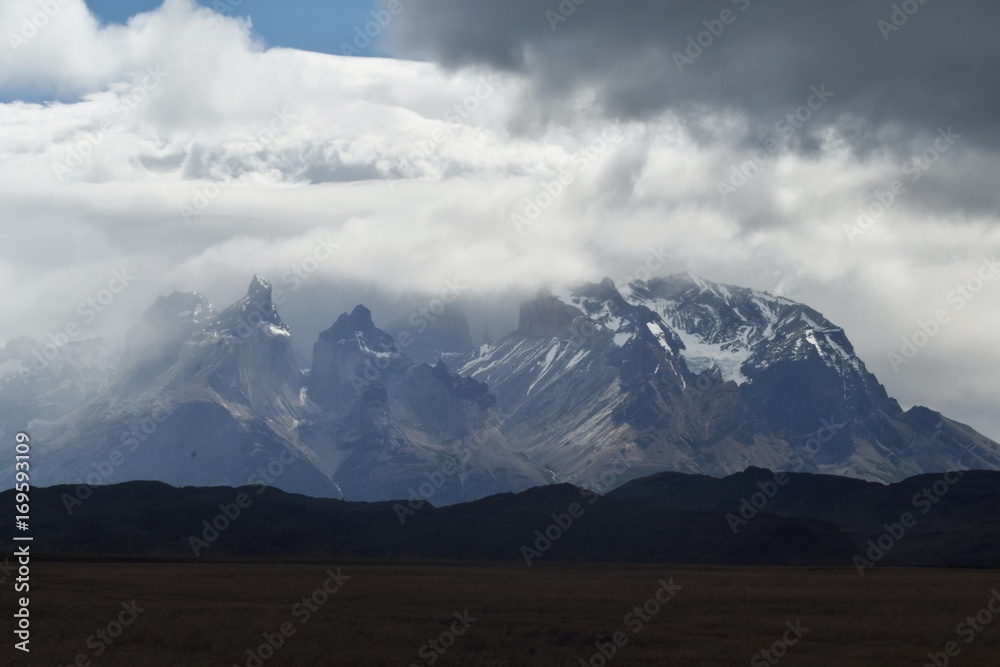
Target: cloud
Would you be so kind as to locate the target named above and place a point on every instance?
(238, 159)
(896, 68)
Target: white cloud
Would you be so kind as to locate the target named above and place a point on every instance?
(381, 156)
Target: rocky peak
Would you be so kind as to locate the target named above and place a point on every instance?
(546, 316)
(180, 308)
(252, 310)
(260, 289)
(430, 338)
(357, 326)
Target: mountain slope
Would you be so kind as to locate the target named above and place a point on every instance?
(208, 399)
(391, 427)
(951, 520)
(501, 527)
(41, 382)
(799, 374)
(687, 375)
(954, 516)
(596, 386)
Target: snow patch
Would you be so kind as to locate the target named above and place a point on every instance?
(661, 336)
(549, 358)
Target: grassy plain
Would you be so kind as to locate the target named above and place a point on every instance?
(196, 615)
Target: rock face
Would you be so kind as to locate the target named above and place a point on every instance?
(393, 428)
(687, 375)
(349, 356)
(213, 398)
(597, 386)
(215, 407)
(431, 338)
(545, 316)
(154, 343)
(798, 374)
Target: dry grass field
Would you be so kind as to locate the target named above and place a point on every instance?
(384, 613)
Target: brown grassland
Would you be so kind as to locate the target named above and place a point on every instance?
(551, 614)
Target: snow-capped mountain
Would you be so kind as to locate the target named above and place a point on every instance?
(791, 363)
(393, 428)
(211, 398)
(598, 385)
(683, 374)
(578, 369)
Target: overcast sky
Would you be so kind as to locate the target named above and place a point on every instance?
(736, 139)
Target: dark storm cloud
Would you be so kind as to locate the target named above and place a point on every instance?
(927, 64)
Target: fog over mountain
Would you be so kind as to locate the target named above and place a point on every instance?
(597, 385)
(456, 304)
(186, 151)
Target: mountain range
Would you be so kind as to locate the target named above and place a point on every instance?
(753, 517)
(598, 385)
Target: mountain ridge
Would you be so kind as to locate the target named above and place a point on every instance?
(674, 373)
(754, 517)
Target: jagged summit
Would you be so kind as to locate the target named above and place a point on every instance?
(687, 285)
(251, 311)
(180, 307)
(681, 373)
(545, 316)
(599, 383)
(735, 330)
(389, 421)
(358, 327)
(260, 289)
(430, 337)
